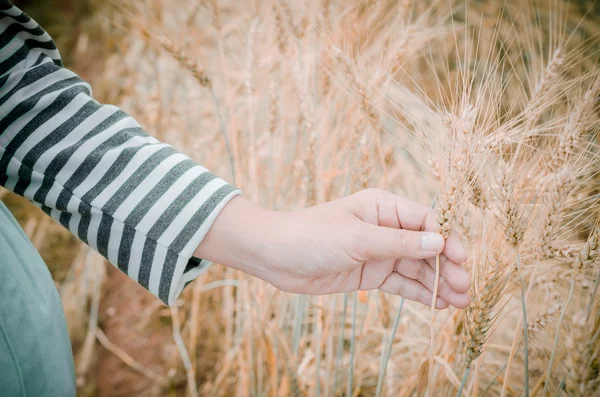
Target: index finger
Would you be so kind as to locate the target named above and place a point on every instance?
(407, 214)
(395, 211)
(454, 249)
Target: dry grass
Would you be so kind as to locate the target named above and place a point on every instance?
(490, 107)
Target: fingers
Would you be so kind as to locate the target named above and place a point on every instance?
(401, 213)
(374, 273)
(420, 270)
(454, 249)
(387, 215)
(378, 242)
(410, 289)
(454, 274)
(394, 211)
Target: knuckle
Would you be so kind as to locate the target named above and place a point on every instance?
(399, 236)
(400, 290)
(377, 202)
(398, 265)
(402, 241)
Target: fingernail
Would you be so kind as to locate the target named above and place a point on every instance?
(432, 242)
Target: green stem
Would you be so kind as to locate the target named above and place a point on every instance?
(318, 353)
(385, 358)
(557, 335)
(464, 381)
(560, 386)
(340, 346)
(224, 133)
(331, 327)
(430, 383)
(493, 380)
(593, 297)
(525, 325)
(298, 318)
(352, 346)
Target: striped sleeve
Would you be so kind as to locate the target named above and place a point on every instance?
(139, 202)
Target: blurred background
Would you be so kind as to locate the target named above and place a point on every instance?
(275, 76)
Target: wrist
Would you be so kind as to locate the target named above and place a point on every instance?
(240, 238)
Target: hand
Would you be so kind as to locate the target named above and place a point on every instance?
(369, 240)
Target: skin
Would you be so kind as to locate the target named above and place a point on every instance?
(369, 240)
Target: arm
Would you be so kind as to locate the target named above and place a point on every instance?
(369, 240)
(139, 202)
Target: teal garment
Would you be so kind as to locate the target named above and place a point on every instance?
(35, 351)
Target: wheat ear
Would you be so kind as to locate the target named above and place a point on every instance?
(571, 134)
(555, 203)
(532, 111)
(195, 68)
(514, 231)
(461, 132)
(481, 315)
(366, 105)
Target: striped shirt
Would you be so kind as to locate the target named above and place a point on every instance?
(139, 202)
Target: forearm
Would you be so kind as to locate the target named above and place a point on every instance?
(139, 202)
(242, 237)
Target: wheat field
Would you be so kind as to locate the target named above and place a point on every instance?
(487, 110)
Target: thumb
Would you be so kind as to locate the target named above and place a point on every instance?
(387, 242)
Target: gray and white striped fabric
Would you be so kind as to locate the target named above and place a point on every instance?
(139, 202)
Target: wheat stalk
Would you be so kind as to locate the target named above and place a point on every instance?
(249, 84)
(580, 343)
(480, 316)
(306, 113)
(541, 321)
(514, 231)
(186, 60)
(575, 127)
(350, 381)
(547, 82)
(586, 256)
(194, 67)
(461, 130)
(365, 103)
(386, 353)
(281, 33)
